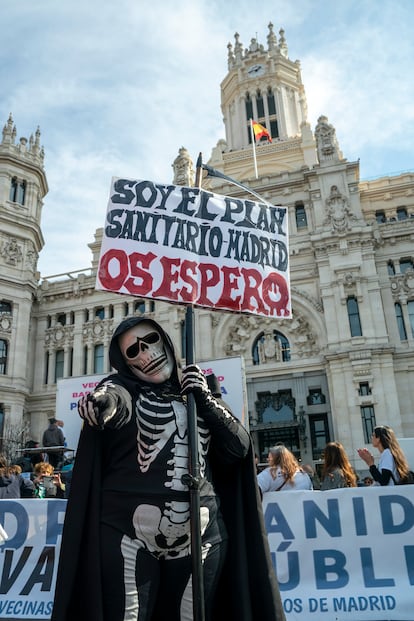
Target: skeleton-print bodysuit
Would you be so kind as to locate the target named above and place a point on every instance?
(142, 493)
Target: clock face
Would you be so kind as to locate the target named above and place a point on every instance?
(255, 70)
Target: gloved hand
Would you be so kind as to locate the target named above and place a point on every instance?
(98, 407)
(193, 380)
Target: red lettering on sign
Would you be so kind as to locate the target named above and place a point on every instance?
(252, 282)
(170, 278)
(210, 277)
(139, 264)
(188, 269)
(230, 284)
(234, 288)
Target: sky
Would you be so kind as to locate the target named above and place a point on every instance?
(117, 88)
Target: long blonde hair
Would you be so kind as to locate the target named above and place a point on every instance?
(282, 458)
(336, 458)
(389, 440)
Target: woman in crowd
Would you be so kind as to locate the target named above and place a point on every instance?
(12, 483)
(283, 473)
(337, 470)
(392, 466)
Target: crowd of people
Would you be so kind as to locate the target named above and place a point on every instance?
(285, 473)
(38, 474)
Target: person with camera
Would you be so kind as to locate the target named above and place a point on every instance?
(48, 483)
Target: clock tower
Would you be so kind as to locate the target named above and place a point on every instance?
(263, 84)
(23, 186)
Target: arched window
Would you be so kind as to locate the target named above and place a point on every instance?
(13, 190)
(17, 191)
(139, 306)
(410, 307)
(260, 106)
(21, 193)
(249, 113)
(402, 213)
(47, 360)
(400, 322)
(271, 347)
(61, 318)
(3, 356)
(98, 359)
(5, 307)
(271, 104)
(353, 316)
(368, 421)
(85, 360)
(300, 214)
(59, 364)
(391, 268)
(406, 263)
(100, 312)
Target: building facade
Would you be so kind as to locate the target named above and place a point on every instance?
(342, 363)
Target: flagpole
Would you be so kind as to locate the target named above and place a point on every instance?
(254, 147)
(193, 478)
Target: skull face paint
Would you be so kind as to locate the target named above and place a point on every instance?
(146, 353)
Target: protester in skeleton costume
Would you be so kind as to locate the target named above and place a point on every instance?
(126, 549)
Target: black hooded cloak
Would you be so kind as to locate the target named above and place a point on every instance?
(247, 590)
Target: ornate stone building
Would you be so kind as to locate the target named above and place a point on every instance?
(344, 361)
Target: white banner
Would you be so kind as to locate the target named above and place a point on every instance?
(69, 391)
(29, 557)
(190, 246)
(229, 372)
(344, 555)
(340, 555)
(231, 375)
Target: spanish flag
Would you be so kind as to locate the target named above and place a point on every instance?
(260, 131)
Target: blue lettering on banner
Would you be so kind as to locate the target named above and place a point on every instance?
(409, 559)
(386, 503)
(359, 604)
(324, 548)
(330, 562)
(323, 518)
(22, 521)
(16, 608)
(55, 510)
(330, 522)
(276, 522)
(29, 557)
(42, 572)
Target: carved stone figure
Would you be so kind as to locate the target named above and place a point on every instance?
(183, 168)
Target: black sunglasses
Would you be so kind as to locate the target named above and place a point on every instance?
(150, 339)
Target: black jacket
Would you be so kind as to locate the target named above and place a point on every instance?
(247, 591)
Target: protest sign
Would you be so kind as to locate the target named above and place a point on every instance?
(339, 555)
(29, 556)
(229, 371)
(190, 246)
(344, 554)
(69, 391)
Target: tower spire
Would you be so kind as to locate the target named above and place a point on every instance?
(271, 40)
(9, 131)
(282, 43)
